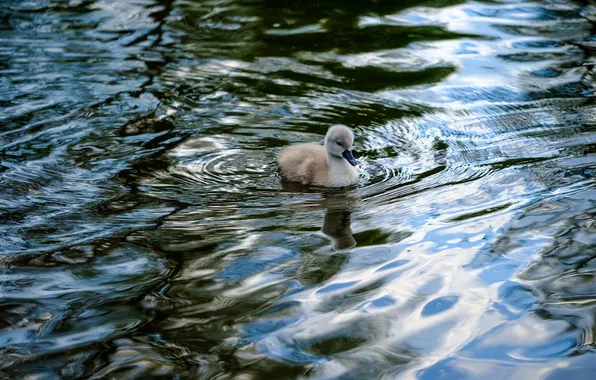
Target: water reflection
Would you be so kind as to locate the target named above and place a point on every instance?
(144, 231)
(337, 223)
(339, 205)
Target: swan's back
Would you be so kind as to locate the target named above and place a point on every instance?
(306, 163)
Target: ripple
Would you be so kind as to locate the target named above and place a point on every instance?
(231, 167)
(205, 165)
(439, 305)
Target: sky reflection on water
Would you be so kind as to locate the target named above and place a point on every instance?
(144, 231)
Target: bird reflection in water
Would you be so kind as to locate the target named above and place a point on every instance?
(338, 220)
(338, 205)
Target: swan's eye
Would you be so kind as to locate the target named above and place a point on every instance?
(338, 143)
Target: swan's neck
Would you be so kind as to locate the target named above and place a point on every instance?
(334, 161)
(341, 173)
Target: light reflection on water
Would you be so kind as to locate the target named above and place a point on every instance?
(144, 230)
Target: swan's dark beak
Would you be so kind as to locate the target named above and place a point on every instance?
(347, 154)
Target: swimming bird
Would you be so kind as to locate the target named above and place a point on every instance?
(332, 165)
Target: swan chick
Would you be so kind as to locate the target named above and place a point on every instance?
(331, 165)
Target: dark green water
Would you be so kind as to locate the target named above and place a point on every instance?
(144, 232)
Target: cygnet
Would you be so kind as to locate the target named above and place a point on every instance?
(332, 165)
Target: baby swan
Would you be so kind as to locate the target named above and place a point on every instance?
(331, 165)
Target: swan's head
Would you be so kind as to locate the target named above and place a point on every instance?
(339, 141)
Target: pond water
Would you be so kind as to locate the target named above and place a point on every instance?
(145, 232)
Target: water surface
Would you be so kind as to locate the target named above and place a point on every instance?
(144, 231)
